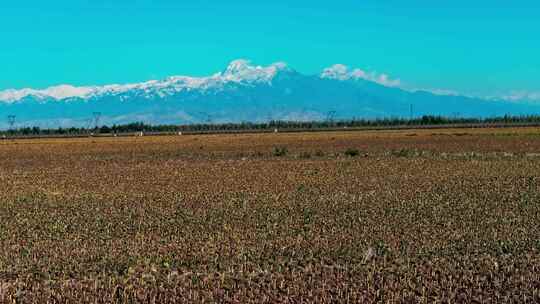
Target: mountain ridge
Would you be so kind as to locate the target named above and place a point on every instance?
(238, 71)
(244, 92)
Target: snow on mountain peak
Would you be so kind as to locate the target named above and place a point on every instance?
(67, 91)
(238, 66)
(242, 70)
(12, 95)
(343, 72)
(56, 92)
(338, 72)
(238, 71)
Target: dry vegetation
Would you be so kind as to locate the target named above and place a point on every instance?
(411, 216)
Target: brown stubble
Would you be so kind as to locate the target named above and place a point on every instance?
(426, 215)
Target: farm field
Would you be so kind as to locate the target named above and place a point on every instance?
(408, 216)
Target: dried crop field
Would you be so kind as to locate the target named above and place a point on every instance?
(380, 216)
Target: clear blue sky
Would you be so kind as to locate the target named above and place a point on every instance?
(473, 46)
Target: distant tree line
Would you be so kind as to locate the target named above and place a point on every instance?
(426, 120)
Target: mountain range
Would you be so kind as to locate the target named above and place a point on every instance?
(243, 92)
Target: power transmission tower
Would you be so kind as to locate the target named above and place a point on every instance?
(11, 121)
(330, 116)
(269, 120)
(88, 123)
(97, 117)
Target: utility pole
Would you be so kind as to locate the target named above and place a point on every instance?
(411, 113)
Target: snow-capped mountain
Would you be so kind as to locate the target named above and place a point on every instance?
(243, 92)
(239, 71)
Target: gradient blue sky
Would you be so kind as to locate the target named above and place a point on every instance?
(474, 46)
